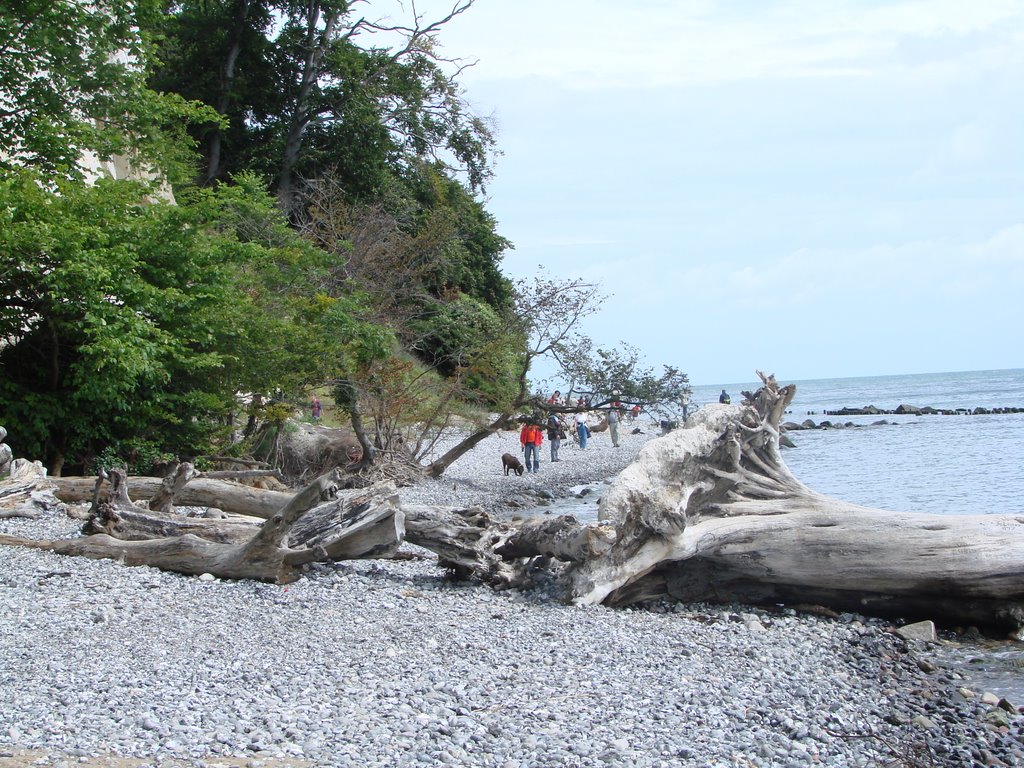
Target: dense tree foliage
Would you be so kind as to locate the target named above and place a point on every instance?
(326, 230)
(134, 324)
(307, 88)
(72, 89)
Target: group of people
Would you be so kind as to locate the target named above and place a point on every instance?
(531, 436)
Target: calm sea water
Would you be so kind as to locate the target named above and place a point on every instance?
(942, 465)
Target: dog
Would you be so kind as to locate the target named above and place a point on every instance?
(511, 462)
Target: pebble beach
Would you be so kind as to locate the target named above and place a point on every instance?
(387, 662)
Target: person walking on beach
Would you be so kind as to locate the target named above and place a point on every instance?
(531, 438)
(555, 436)
(581, 428)
(613, 424)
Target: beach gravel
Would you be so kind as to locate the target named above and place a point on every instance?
(382, 663)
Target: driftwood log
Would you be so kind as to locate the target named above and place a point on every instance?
(198, 492)
(26, 491)
(315, 524)
(712, 513)
(470, 543)
(706, 513)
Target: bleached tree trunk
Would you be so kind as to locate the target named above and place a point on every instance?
(712, 513)
(199, 492)
(314, 525)
(26, 491)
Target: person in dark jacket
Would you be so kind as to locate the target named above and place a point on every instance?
(555, 436)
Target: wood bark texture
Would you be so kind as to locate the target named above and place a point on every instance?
(26, 491)
(712, 513)
(199, 492)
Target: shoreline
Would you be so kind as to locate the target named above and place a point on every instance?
(384, 662)
(478, 479)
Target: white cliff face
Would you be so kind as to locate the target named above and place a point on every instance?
(91, 165)
(122, 167)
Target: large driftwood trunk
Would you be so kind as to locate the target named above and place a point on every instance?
(315, 524)
(712, 513)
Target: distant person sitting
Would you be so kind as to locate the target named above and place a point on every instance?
(555, 399)
(724, 398)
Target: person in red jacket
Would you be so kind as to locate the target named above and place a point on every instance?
(531, 437)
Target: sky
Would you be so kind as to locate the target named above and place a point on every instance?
(812, 189)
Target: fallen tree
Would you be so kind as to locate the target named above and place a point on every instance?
(198, 492)
(318, 523)
(711, 513)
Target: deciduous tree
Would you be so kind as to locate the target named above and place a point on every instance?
(73, 89)
(134, 324)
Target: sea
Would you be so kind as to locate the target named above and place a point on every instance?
(941, 465)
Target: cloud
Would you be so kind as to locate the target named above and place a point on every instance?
(1005, 248)
(599, 43)
(829, 188)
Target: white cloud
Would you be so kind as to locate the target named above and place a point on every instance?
(1005, 248)
(598, 43)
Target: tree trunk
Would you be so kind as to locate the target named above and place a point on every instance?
(711, 513)
(224, 86)
(170, 486)
(437, 468)
(200, 492)
(26, 491)
(356, 419)
(312, 526)
(317, 43)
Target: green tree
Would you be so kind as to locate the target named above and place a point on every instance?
(73, 88)
(547, 313)
(315, 86)
(219, 52)
(130, 323)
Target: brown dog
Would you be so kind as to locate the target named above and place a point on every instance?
(511, 462)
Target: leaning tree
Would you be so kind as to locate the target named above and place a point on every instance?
(548, 314)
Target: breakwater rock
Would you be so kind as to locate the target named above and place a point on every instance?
(913, 410)
(792, 426)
